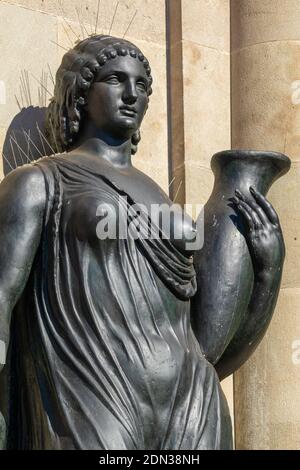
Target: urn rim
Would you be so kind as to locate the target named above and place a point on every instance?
(281, 161)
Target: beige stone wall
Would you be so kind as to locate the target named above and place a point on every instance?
(34, 35)
(206, 72)
(266, 115)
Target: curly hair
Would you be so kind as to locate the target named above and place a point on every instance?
(74, 78)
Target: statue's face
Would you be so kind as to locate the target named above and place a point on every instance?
(118, 99)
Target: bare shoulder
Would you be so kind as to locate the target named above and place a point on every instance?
(24, 186)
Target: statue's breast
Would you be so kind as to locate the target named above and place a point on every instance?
(94, 215)
(126, 205)
(103, 216)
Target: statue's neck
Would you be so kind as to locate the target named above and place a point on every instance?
(99, 144)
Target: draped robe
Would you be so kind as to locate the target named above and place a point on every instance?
(102, 354)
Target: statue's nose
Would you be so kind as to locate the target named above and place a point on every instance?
(130, 94)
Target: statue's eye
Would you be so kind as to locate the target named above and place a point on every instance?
(141, 85)
(113, 79)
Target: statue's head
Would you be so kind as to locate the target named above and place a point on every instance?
(105, 80)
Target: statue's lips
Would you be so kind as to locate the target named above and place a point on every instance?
(131, 112)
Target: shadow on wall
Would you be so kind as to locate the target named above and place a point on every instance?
(25, 139)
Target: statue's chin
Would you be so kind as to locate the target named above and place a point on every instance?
(125, 130)
(128, 122)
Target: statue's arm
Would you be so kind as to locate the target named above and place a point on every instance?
(266, 246)
(22, 204)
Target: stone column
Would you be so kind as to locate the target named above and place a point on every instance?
(265, 63)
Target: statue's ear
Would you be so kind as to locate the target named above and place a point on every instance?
(134, 141)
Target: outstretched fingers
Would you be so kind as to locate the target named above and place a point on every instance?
(265, 205)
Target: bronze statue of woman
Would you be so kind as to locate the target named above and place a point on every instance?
(103, 352)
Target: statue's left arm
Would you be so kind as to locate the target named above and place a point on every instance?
(266, 246)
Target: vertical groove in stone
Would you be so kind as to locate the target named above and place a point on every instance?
(176, 151)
